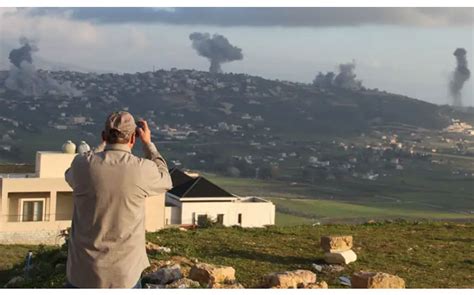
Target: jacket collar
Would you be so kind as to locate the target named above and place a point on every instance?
(118, 147)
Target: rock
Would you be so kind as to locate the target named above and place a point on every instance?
(332, 268)
(289, 279)
(234, 285)
(343, 257)
(208, 274)
(183, 283)
(152, 248)
(320, 285)
(154, 286)
(336, 243)
(343, 280)
(165, 275)
(181, 260)
(318, 267)
(15, 282)
(164, 249)
(376, 280)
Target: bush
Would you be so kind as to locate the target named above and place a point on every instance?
(208, 222)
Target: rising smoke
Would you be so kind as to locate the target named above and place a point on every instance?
(324, 80)
(346, 78)
(460, 75)
(216, 48)
(24, 78)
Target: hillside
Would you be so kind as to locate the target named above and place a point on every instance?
(202, 100)
(426, 255)
(390, 155)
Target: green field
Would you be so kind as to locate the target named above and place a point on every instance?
(426, 255)
(406, 197)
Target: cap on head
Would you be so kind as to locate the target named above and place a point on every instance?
(121, 121)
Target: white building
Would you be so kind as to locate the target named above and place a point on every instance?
(35, 207)
(194, 198)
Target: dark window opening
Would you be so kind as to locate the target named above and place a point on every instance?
(220, 219)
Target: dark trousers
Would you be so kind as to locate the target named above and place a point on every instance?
(68, 285)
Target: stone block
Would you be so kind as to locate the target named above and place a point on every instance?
(289, 279)
(208, 274)
(376, 280)
(342, 257)
(336, 243)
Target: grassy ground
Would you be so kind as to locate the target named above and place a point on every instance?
(330, 211)
(349, 201)
(426, 255)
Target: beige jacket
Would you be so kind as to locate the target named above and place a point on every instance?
(107, 242)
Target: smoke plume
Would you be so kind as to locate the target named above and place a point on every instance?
(24, 78)
(460, 75)
(346, 78)
(216, 48)
(324, 80)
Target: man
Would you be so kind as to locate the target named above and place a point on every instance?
(107, 241)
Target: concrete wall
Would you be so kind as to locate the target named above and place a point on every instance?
(155, 213)
(254, 214)
(52, 164)
(172, 215)
(33, 232)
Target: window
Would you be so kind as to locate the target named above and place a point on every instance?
(220, 219)
(239, 219)
(32, 211)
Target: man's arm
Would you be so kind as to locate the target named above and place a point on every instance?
(156, 176)
(68, 175)
(69, 178)
(100, 147)
(151, 153)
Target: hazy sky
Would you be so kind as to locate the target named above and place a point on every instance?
(402, 50)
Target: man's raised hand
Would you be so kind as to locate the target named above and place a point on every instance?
(144, 132)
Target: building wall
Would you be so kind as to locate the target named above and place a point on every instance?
(15, 199)
(52, 164)
(253, 214)
(33, 232)
(50, 185)
(256, 214)
(155, 213)
(172, 215)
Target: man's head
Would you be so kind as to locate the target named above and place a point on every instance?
(120, 127)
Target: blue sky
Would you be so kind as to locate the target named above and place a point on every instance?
(406, 51)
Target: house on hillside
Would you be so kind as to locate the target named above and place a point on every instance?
(193, 199)
(35, 207)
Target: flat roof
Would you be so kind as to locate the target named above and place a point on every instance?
(18, 175)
